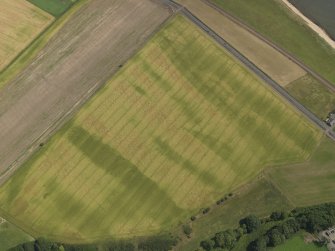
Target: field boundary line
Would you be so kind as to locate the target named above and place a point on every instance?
(330, 86)
(29, 53)
(52, 129)
(279, 90)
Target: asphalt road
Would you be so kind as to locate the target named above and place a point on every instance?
(239, 22)
(251, 66)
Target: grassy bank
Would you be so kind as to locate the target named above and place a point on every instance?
(274, 21)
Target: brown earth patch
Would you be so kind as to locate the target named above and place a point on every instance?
(81, 57)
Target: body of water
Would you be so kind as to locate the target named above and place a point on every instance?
(321, 12)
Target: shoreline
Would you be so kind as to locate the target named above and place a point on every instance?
(321, 32)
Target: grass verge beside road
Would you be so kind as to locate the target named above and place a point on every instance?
(273, 20)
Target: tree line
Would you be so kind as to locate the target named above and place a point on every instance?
(158, 243)
(284, 225)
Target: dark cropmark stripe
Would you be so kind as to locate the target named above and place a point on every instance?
(205, 176)
(143, 190)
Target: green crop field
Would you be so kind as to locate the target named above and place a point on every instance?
(181, 124)
(54, 7)
(312, 182)
(273, 20)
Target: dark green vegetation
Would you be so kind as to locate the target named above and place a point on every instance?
(311, 182)
(54, 7)
(315, 96)
(260, 198)
(159, 243)
(274, 230)
(285, 187)
(10, 236)
(275, 22)
(297, 243)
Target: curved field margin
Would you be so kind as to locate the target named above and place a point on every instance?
(180, 125)
(20, 23)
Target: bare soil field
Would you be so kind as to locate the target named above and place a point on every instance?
(80, 58)
(20, 23)
(276, 65)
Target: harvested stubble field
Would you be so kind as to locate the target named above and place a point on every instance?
(79, 58)
(20, 23)
(181, 124)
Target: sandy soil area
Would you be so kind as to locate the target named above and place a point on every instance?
(80, 58)
(312, 25)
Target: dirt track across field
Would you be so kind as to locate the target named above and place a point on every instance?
(80, 58)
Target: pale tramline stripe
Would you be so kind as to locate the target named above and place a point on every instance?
(83, 183)
(57, 195)
(42, 174)
(75, 166)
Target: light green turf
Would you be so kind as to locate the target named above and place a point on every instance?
(275, 22)
(180, 125)
(311, 182)
(313, 95)
(260, 198)
(54, 7)
(297, 243)
(11, 236)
